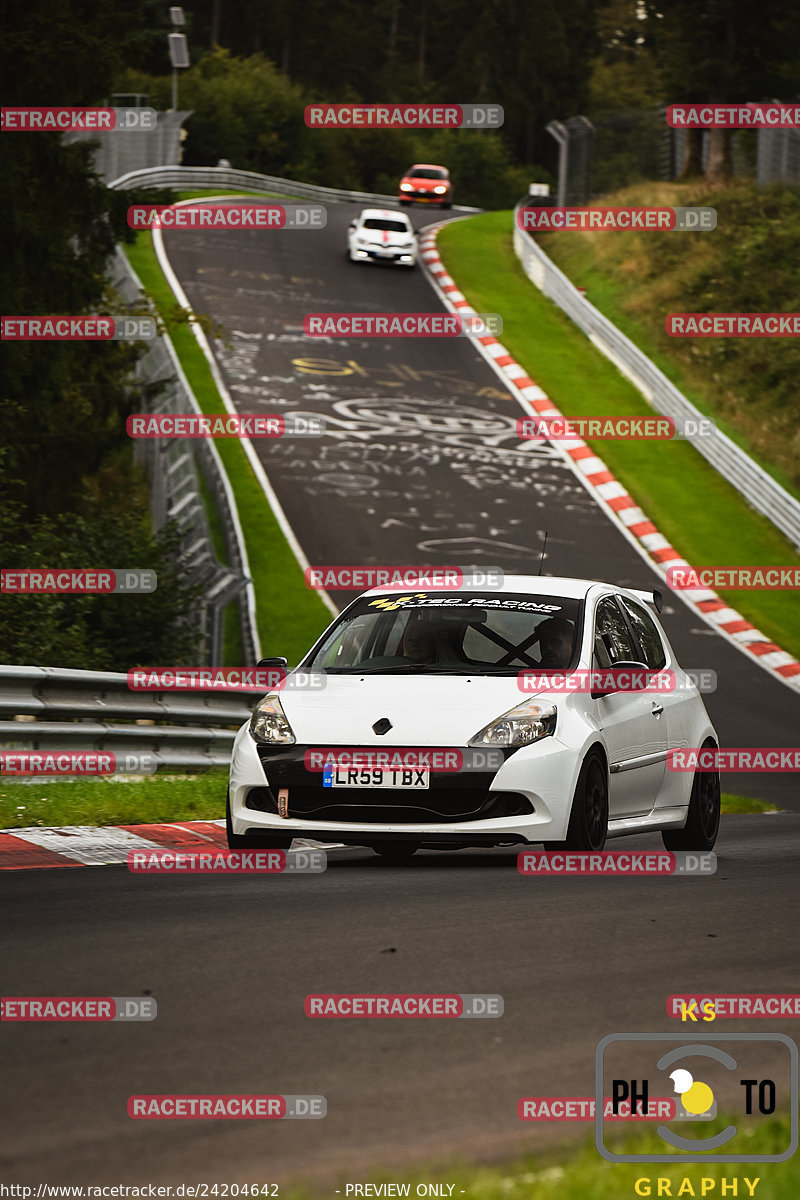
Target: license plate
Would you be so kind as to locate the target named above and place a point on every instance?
(356, 777)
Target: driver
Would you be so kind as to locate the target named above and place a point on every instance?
(556, 637)
(419, 641)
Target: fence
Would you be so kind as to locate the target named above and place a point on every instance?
(760, 490)
(175, 493)
(187, 178)
(95, 710)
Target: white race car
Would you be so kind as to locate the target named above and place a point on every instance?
(380, 235)
(408, 674)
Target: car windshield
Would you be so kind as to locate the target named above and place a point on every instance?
(465, 633)
(383, 223)
(427, 173)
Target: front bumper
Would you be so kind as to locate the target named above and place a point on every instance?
(526, 801)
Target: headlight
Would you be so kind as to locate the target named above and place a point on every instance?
(528, 722)
(440, 189)
(268, 723)
(406, 187)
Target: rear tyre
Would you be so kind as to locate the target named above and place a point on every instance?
(396, 852)
(588, 819)
(702, 822)
(254, 841)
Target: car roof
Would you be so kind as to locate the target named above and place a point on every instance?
(382, 212)
(427, 166)
(543, 585)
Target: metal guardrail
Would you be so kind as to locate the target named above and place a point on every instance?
(760, 490)
(173, 465)
(59, 709)
(186, 178)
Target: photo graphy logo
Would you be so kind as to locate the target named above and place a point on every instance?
(699, 1071)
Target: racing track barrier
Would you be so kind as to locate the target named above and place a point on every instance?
(51, 708)
(760, 490)
(188, 178)
(172, 466)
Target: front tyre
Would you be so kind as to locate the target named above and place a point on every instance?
(588, 819)
(254, 841)
(702, 822)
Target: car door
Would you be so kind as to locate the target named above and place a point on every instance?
(679, 705)
(632, 722)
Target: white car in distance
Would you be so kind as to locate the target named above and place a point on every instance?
(381, 235)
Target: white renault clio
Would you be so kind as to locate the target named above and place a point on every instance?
(381, 235)
(444, 719)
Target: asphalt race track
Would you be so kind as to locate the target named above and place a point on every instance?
(230, 960)
(420, 463)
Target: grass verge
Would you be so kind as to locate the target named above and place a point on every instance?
(139, 800)
(290, 616)
(701, 514)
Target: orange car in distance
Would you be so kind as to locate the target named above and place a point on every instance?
(426, 183)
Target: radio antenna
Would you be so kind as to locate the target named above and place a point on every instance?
(544, 547)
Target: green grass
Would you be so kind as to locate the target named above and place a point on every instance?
(135, 801)
(580, 1173)
(289, 615)
(703, 517)
(139, 800)
(746, 804)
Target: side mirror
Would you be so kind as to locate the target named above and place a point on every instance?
(618, 666)
(272, 662)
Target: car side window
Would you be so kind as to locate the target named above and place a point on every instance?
(647, 633)
(612, 635)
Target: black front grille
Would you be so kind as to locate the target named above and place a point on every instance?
(451, 797)
(403, 807)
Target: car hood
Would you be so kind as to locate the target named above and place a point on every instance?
(424, 710)
(425, 185)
